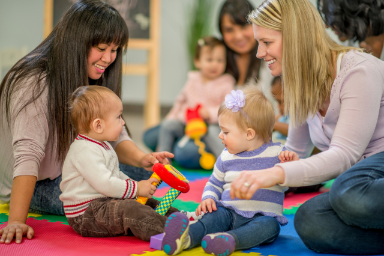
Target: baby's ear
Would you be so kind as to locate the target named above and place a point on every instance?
(97, 125)
(250, 133)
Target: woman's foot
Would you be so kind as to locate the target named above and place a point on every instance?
(218, 244)
(176, 236)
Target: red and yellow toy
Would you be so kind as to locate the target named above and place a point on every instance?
(171, 176)
(195, 129)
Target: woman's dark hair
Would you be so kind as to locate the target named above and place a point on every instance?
(355, 19)
(59, 64)
(238, 10)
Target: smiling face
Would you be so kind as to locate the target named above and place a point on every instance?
(270, 48)
(211, 62)
(232, 136)
(238, 38)
(99, 58)
(113, 119)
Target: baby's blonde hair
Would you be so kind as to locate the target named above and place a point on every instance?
(308, 65)
(86, 104)
(257, 113)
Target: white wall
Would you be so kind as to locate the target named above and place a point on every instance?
(21, 25)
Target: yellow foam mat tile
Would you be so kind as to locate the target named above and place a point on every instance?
(198, 251)
(4, 208)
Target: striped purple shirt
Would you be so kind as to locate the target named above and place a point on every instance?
(228, 167)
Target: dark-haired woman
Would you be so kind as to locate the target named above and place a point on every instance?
(241, 46)
(242, 64)
(35, 134)
(356, 20)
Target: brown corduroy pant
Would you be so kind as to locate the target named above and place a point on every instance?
(107, 217)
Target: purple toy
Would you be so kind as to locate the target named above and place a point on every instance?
(156, 240)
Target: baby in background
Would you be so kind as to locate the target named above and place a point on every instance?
(207, 87)
(246, 120)
(100, 200)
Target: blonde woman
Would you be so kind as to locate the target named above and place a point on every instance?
(334, 95)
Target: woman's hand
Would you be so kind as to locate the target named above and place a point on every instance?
(17, 230)
(148, 160)
(288, 156)
(208, 205)
(244, 186)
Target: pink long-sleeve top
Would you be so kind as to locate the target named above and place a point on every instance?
(351, 130)
(210, 95)
(25, 141)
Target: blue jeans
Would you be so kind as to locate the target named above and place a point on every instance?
(45, 199)
(167, 135)
(349, 219)
(247, 232)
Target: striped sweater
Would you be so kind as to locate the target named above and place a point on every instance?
(228, 167)
(91, 171)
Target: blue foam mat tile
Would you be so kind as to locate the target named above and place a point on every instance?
(287, 243)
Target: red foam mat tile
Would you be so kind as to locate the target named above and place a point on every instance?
(297, 199)
(61, 240)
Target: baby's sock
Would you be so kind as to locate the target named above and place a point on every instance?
(222, 244)
(192, 216)
(176, 236)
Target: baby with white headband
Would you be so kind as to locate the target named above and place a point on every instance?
(246, 120)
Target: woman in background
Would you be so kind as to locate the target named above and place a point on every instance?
(242, 64)
(356, 20)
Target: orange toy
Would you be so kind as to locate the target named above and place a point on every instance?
(195, 129)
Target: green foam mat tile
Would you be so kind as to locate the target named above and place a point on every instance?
(188, 206)
(328, 184)
(291, 211)
(53, 218)
(3, 217)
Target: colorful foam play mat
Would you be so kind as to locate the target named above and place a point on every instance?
(53, 235)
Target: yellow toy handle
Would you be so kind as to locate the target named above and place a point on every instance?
(143, 200)
(207, 160)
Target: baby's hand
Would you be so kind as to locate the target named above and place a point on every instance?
(288, 156)
(207, 205)
(203, 113)
(145, 188)
(149, 160)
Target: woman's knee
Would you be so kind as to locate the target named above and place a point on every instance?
(151, 137)
(303, 223)
(311, 221)
(353, 198)
(171, 124)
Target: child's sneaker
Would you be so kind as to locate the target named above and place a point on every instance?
(176, 236)
(218, 244)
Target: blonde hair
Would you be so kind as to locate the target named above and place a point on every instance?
(257, 113)
(86, 104)
(308, 64)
